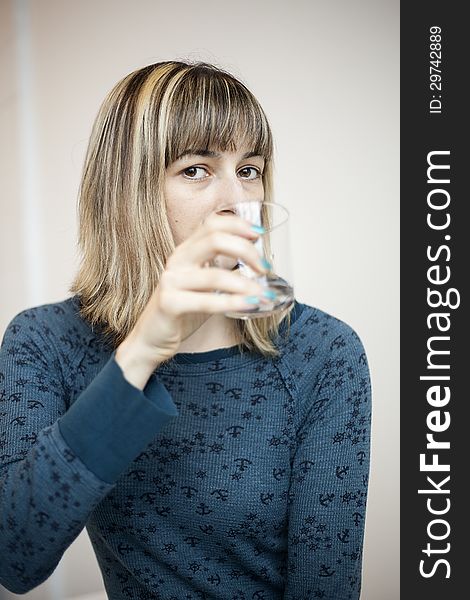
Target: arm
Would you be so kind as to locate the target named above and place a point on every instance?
(329, 479)
(56, 464)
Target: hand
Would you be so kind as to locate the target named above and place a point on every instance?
(185, 298)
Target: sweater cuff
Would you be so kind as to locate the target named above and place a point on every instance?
(112, 421)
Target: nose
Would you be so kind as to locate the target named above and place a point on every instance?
(231, 189)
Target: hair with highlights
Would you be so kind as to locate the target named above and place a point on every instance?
(146, 121)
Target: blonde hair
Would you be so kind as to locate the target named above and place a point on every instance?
(146, 121)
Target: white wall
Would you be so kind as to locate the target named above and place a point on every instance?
(327, 74)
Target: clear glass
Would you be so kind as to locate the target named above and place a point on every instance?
(274, 246)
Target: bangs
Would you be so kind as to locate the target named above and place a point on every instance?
(210, 110)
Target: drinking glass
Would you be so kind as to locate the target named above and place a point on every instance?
(272, 245)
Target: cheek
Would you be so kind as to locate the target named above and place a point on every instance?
(175, 203)
(183, 221)
(178, 226)
(185, 209)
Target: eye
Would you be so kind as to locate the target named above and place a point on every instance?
(247, 170)
(190, 172)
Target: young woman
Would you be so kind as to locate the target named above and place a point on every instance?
(208, 457)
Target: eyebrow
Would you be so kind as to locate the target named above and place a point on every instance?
(212, 154)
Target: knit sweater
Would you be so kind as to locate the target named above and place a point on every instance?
(231, 476)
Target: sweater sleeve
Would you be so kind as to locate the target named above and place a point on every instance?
(329, 480)
(56, 464)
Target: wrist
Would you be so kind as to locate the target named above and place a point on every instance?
(135, 362)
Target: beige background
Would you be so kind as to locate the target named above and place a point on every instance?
(327, 74)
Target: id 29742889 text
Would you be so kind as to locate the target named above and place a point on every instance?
(435, 71)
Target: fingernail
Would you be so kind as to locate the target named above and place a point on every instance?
(252, 299)
(269, 294)
(265, 263)
(258, 229)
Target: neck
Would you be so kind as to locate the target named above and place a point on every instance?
(218, 331)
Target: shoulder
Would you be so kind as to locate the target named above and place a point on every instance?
(52, 328)
(323, 352)
(44, 318)
(317, 336)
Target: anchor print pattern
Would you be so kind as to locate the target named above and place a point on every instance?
(257, 489)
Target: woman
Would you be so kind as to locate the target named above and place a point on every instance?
(208, 457)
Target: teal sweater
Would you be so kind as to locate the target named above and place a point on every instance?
(230, 476)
